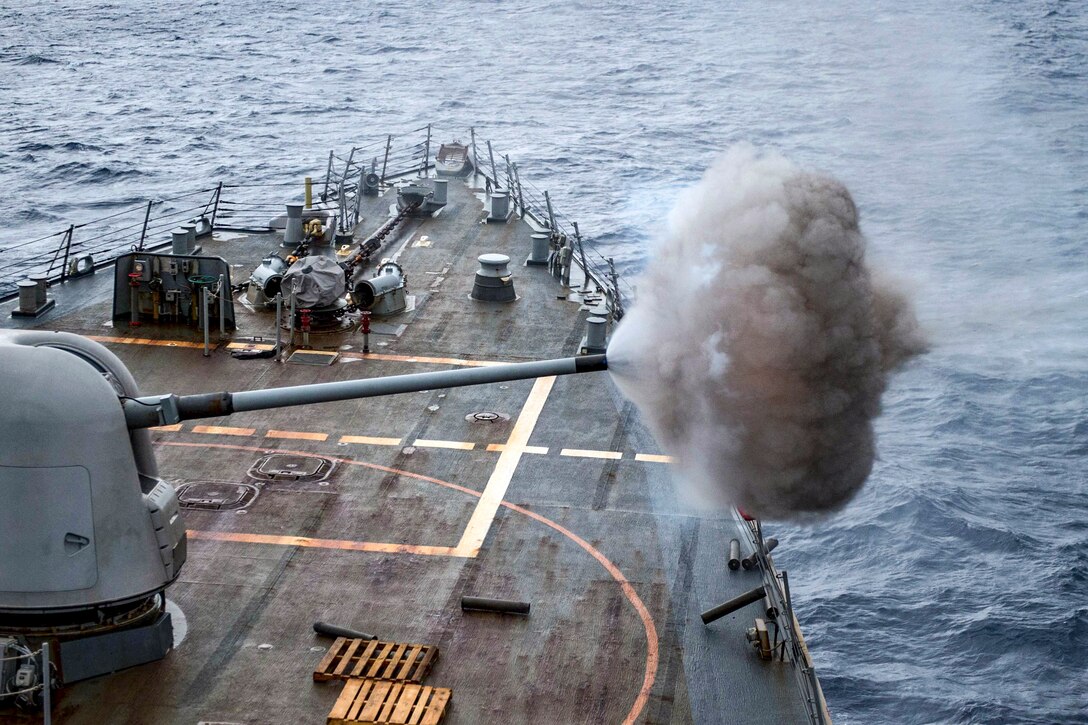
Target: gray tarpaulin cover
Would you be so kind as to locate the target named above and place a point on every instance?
(318, 281)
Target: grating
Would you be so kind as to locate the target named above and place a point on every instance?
(313, 357)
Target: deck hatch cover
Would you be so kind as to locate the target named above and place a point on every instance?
(216, 496)
(291, 467)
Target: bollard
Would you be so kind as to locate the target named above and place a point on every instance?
(734, 554)
(712, 615)
(499, 606)
(596, 336)
(28, 297)
(42, 280)
(538, 257)
(190, 238)
(332, 630)
(499, 207)
(440, 193)
(179, 242)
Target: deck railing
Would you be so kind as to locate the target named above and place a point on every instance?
(250, 207)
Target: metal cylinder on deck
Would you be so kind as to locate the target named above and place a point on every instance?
(292, 233)
(539, 254)
(190, 237)
(28, 295)
(734, 554)
(752, 559)
(333, 630)
(499, 606)
(179, 241)
(733, 605)
(596, 340)
(440, 191)
(500, 206)
(493, 281)
(42, 281)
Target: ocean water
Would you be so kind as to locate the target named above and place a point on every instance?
(954, 589)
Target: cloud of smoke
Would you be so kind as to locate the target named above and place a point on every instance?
(761, 342)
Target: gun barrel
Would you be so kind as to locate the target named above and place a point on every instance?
(156, 410)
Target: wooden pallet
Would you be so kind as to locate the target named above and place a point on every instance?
(374, 702)
(376, 660)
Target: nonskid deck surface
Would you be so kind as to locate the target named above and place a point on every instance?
(562, 501)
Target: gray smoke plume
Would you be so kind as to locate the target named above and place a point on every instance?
(761, 343)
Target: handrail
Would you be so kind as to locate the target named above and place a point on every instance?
(244, 204)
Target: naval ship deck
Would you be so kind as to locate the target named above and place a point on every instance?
(566, 504)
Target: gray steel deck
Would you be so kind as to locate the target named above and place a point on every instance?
(616, 569)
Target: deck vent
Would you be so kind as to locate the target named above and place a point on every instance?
(214, 496)
(493, 281)
(291, 467)
(292, 233)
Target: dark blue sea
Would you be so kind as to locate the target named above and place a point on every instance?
(954, 588)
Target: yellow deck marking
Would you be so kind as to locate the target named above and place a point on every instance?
(370, 440)
(580, 453)
(341, 544)
(222, 430)
(175, 427)
(297, 435)
(484, 513)
(249, 346)
(453, 445)
(652, 458)
(500, 447)
(144, 341)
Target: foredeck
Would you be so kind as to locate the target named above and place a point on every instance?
(564, 502)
